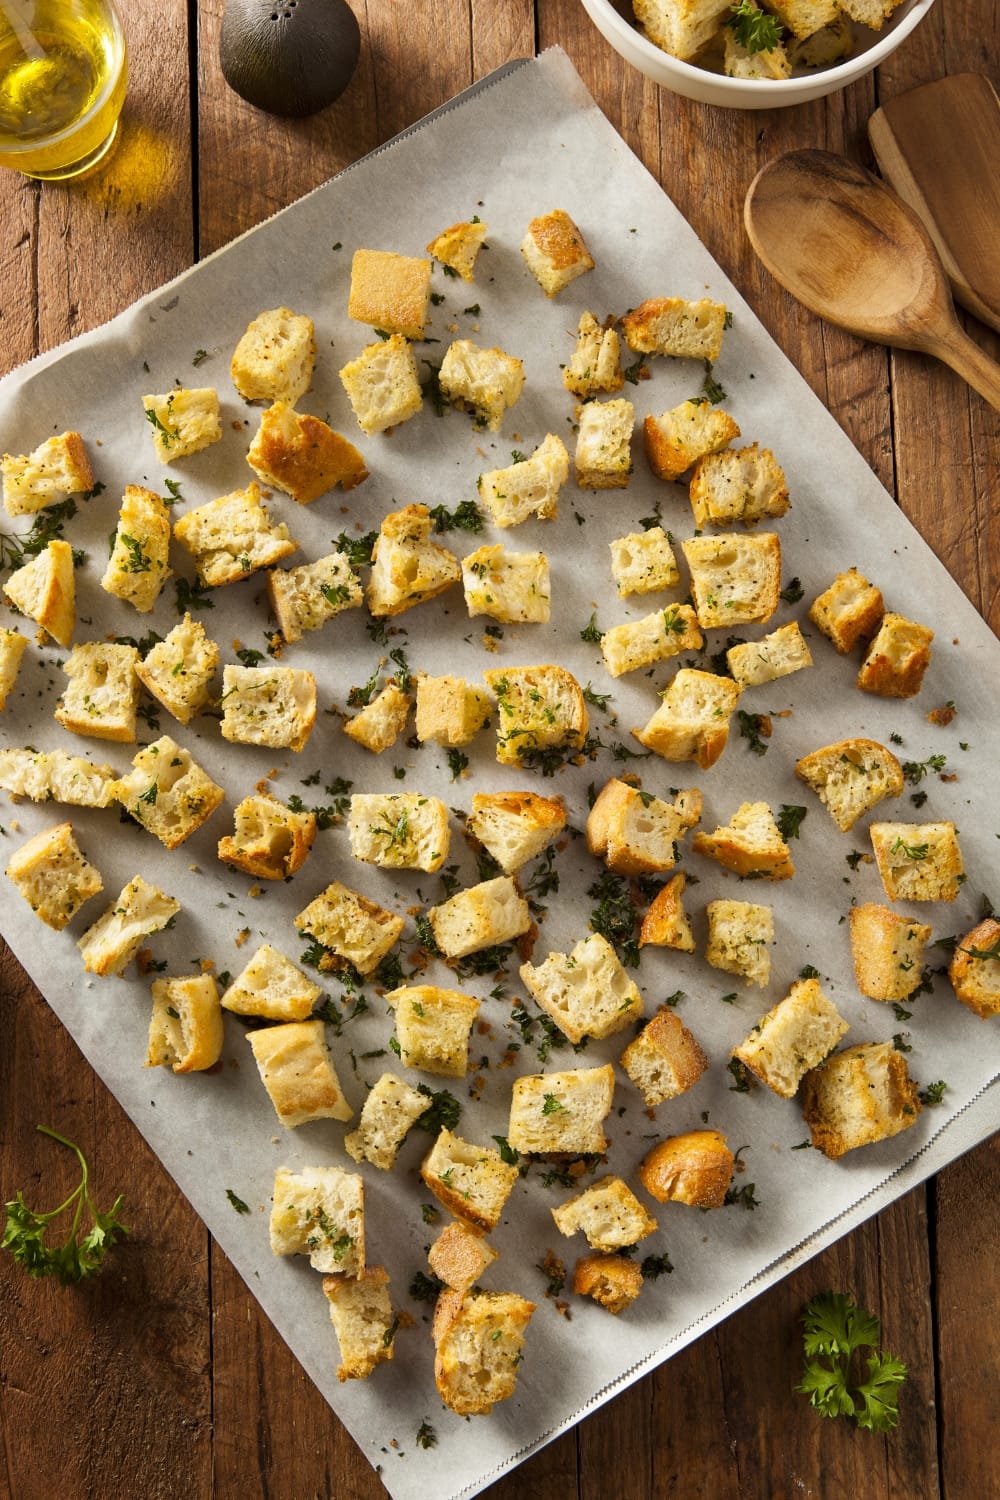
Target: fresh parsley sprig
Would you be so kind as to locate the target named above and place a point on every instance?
(834, 1329)
(77, 1257)
(754, 28)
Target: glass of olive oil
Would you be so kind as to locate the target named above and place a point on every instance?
(62, 84)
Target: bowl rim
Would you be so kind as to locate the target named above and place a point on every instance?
(839, 75)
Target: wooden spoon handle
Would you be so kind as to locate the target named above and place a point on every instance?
(967, 359)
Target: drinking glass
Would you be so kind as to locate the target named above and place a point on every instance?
(62, 84)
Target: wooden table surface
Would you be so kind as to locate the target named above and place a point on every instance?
(162, 1378)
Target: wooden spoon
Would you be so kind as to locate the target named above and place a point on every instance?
(851, 251)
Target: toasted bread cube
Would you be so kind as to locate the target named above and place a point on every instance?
(857, 1097)
(56, 469)
(512, 587)
(297, 1070)
(380, 723)
(390, 291)
(382, 385)
(115, 938)
(595, 368)
(362, 1319)
(679, 438)
(830, 44)
(12, 644)
(740, 484)
(485, 382)
(739, 62)
(472, 1182)
(233, 536)
(555, 251)
(103, 692)
(515, 826)
(918, 861)
(399, 830)
(178, 670)
(680, 27)
(614, 1281)
(274, 359)
(483, 916)
(304, 598)
(269, 840)
(273, 706)
(897, 658)
(794, 1036)
(643, 562)
(870, 13)
(664, 1061)
(636, 833)
(695, 1168)
(851, 777)
(692, 722)
(666, 923)
(272, 987)
(391, 1108)
(167, 792)
(586, 991)
(656, 637)
(54, 776)
(458, 247)
(538, 708)
(561, 1112)
(804, 17)
(888, 951)
(183, 421)
(674, 326)
(137, 568)
(303, 456)
(784, 651)
(185, 1028)
(320, 1212)
(603, 459)
(608, 1213)
(353, 929)
(460, 1255)
(735, 580)
(738, 935)
(850, 610)
(54, 875)
(479, 1342)
(974, 970)
(749, 844)
(432, 1028)
(527, 488)
(407, 566)
(450, 711)
(45, 590)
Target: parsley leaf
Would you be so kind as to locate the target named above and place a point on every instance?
(77, 1257)
(834, 1329)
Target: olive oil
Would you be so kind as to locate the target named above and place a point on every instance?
(62, 84)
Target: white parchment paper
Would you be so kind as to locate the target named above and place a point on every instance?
(522, 143)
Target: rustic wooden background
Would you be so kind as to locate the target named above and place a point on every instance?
(163, 1379)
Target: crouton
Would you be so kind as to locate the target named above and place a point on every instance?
(528, 488)
(608, 1213)
(353, 929)
(595, 367)
(561, 1113)
(614, 1281)
(54, 875)
(767, 62)
(750, 844)
(450, 711)
(918, 861)
(103, 692)
(514, 826)
(303, 456)
(695, 1168)
(296, 1068)
(483, 916)
(379, 724)
(512, 587)
(432, 1028)
(304, 598)
(167, 792)
(888, 951)
(274, 359)
(137, 568)
(185, 1028)
(115, 938)
(458, 247)
(479, 1339)
(654, 638)
(269, 841)
(44, 589)
(390, 1109)
(636, 833)
(12, 647)
(735, 580)
(270, 986)
(273, 706)
(539, 709)
(664, 1060)
(390, 291)
(897, 658)
(485, 382)
(586, 991)
(320, 1212)
(692, 722)
(738, 938)
(849, 611)
(679, 438)
(643, 562)
(399, 830)
(794, 1036)
(974, 970)
(362, 1318)
(183, 421)
(460, 1255)
(753, 663)
(178, 670)
(740, 484)
(603, 458)
(673, 326)
(407, 566)
(851, 777)
(857, 1097)
(232, 537)
(555, 251)
(666, 923)
(804, 17)
(472, 1182)
(53, 471)
(382, 385)
(54, 776)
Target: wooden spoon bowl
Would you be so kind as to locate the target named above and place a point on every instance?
(847, 248)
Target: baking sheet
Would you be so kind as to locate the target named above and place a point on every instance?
(525, 141)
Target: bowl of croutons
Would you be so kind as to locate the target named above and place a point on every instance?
(745, 55)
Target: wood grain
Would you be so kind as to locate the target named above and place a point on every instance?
(164, 1378)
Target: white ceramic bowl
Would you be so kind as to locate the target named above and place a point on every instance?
(615, 24)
